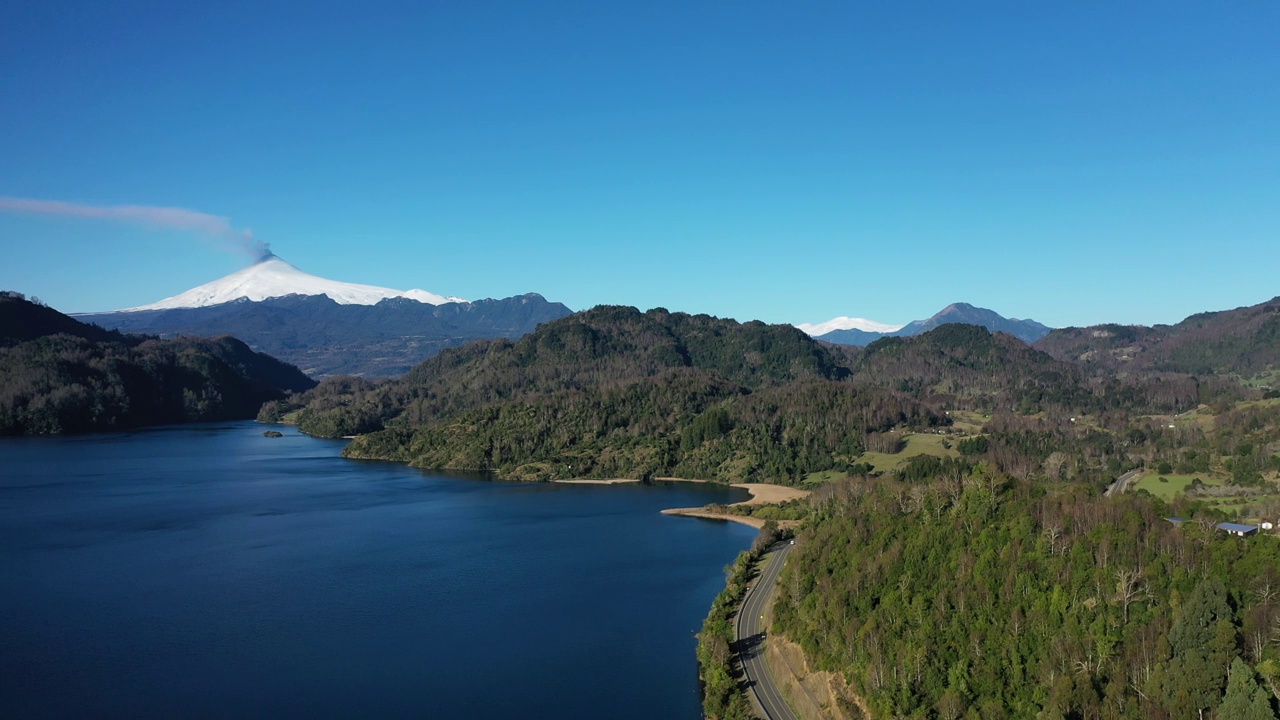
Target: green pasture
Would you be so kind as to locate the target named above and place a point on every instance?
(915, 445)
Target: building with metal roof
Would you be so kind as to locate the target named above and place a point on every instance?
(1237, 529)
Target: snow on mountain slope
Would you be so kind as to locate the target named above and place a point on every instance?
(273, 277)
(847, 323)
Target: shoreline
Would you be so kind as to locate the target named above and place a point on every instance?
(754, 522)
(761, 494)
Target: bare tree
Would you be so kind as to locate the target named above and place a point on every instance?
(1266, 592)
(1052, 533)
(1129, 589)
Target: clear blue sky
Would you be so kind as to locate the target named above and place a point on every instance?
(1071, 162)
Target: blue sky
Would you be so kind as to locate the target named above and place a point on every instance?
(1073, 162)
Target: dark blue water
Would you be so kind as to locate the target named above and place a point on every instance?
(207, 571)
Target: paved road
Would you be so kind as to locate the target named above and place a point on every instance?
(751, 634)
(1117, 487)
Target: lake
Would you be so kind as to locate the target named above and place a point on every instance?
(208, 571)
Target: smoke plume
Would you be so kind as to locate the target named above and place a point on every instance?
(219, 228)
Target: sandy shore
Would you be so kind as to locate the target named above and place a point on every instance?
(761, 494)
(756, 523)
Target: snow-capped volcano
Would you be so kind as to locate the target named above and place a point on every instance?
(847, 323)
(272, 277)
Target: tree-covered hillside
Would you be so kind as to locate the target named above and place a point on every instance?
(613, 391)
(616, 391)
(61, 376)
(973, 368)
(22, 320)
(976, 596)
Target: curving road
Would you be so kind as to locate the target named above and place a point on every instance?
(751, 635)
(1118, 487)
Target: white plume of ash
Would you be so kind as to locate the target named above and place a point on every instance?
(170, 218)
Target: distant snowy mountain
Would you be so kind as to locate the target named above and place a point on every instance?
(847, 323)
(327, 327)
(272, 277)
(325, 338)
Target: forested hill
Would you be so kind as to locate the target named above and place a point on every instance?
(616, 392)
(1244, 342)
(22, 320)
(981, 597)
(58, 375)
(611, 343)
(970, 367)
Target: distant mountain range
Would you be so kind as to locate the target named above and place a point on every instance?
(860, 332)
(327, 327)
(1244, 342)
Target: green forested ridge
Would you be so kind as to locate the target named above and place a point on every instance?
(22, 320)
(680, 423)
(613, 391)
(616, 391)
(977, 369)
(979, 596)
(61, 376)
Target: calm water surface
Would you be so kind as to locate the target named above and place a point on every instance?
(207, 571)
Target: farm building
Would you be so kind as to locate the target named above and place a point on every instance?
(1237, 529)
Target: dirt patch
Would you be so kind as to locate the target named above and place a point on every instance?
(813, 695)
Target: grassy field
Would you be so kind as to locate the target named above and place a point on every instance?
(968, 421)
(916, 445)
(813, 480)
(1201, 417)
(1268, 379)
(1166, 490)
(1268, 403)
(1229, 504)
(1246, 507)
